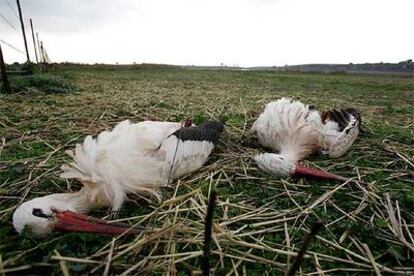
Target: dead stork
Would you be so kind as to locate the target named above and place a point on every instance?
(296, 130)
(132, 158)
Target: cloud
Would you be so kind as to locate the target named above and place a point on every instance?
(209, 32)
(71, 16)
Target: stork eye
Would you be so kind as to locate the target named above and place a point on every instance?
(39, 213)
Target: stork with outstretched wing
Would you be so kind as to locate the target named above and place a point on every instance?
(132, 158)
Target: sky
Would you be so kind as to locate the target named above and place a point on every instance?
(213, 32)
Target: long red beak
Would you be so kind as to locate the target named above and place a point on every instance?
(310, 172)
(74, 222)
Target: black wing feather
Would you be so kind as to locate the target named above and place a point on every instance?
(208, 131)
(343, 116)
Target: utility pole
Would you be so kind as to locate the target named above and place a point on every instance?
(24, 33)
(34, 40)
(38, 47)
(6, 84)
(41, 52)
(44, 53)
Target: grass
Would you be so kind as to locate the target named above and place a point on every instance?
(260, 220)
(45, 83)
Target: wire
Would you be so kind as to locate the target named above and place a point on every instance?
(8, 22)
(175, 153)
(14, 12)
(11, 46)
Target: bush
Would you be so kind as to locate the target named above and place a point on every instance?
(31, 68)
(42, 82)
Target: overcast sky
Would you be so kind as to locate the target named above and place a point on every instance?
(210, 32)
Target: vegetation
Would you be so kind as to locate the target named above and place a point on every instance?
(260, 220)
(46, 83)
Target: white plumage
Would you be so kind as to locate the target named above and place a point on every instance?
(132, 158)
(290, 128)
(295, 130)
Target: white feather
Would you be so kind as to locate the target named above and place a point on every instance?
(344, 140)
(294, 131)
(189, 155)
(134, 157)
(290, 128)
(275, 164)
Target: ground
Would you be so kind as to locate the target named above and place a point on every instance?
(260, 220)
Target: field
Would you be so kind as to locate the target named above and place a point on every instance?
(260, 220)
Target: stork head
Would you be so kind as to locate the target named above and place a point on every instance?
(38, 215)
(279, 165)
(275, 164)
(59, 212)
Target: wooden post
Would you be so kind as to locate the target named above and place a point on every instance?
(24, 33)
(41, 52)
(3, 73)
(34, 40)
(38, 47)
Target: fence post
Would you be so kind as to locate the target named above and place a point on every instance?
(34, 40)
(42, 53)
(4, 74)
(24, 33)
(38, 47)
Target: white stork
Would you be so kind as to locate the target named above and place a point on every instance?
(132, 158)
(296, 130)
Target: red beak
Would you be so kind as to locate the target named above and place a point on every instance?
(303, 171)
(74, 222)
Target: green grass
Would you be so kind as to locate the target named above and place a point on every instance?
(38, 127)
(46, 83)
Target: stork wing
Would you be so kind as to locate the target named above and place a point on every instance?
(188, 148)
(342, 117)
(349, 123)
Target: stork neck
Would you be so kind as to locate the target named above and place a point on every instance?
(289, 154)
(81, 201)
